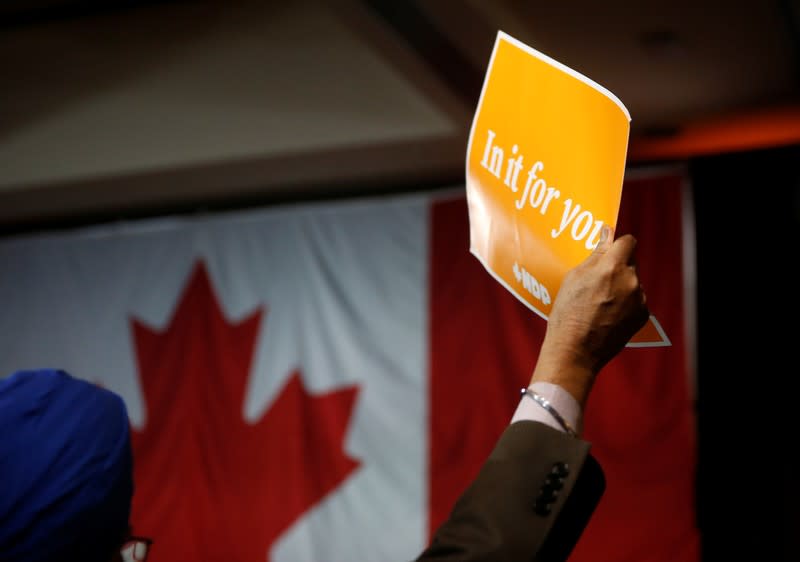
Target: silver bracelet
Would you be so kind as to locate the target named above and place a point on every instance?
(545, 403)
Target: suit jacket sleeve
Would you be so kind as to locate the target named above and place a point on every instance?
(531, 500)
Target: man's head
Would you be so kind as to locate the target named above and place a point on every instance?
(65, 469)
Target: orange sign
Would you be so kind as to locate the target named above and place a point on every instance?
(545, 164)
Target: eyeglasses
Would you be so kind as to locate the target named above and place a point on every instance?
(135, 549)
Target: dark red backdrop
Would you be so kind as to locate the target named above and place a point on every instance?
(640, 417)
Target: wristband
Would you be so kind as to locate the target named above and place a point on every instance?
(544, 403)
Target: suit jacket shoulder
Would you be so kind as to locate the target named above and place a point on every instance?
(531, 500)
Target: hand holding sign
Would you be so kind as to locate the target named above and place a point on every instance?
(600, 306)
(545, 164)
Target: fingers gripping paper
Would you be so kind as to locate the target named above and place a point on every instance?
(544, 171)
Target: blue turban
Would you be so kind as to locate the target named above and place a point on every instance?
(66, 476)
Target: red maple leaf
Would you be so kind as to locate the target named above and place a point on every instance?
(208, 485)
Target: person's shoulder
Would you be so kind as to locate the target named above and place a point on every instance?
(41, 381)
(52, 385)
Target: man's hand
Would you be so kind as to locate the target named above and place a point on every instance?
(599, 307)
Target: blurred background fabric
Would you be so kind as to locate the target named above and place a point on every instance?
(321, 382)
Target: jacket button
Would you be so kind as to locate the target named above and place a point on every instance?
(542, 507)
(550, 492)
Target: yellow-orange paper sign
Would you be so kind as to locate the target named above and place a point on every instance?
(545, 165)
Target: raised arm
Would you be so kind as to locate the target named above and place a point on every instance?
(539, 487)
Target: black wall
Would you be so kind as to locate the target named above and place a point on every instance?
(747, 208)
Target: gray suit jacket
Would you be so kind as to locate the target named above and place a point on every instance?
(531, 500)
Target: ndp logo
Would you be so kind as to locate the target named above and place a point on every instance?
(531, 284)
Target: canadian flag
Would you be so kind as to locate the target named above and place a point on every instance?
(320, 382)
